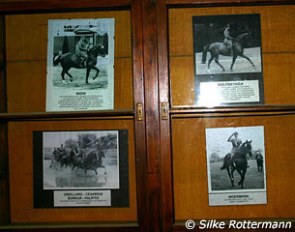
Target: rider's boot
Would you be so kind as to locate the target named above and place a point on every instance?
(83, 62)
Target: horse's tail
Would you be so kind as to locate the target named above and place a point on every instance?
(225, 162)
(204, 55)
(56, 59)
(223, 166)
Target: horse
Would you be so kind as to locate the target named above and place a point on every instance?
(238, 162)
(259, 161)
(64, 158)
(91, 162)
(219, 48)
(73, 60)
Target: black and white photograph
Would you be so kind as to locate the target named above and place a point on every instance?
(71, 166)
(79, 159)
(228, 60)
(236, 165)
(80, 64)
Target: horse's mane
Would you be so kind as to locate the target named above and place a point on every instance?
(97, 50)
(243, 148)
(246, 142)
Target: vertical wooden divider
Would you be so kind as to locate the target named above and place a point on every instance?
(165, 148)
(4, 184)
(150, 31)
(140, 136)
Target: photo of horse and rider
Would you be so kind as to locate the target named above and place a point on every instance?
(80, 159)
(80, 64)
(227, 44)
(235, 159)
(228, 60)
(82, 61)
(79, 56)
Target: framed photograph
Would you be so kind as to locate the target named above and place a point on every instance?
(80, 168)
(228, 61)
(80, 65)
(236, 165)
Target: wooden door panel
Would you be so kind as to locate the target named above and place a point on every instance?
(21, 175)
(190, 167)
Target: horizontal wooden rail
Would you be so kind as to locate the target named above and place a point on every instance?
(39, 5)
(115, 114)
(228, 2)
(265, 109)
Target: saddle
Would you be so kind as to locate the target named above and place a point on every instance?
(83, 59)
(230, 50)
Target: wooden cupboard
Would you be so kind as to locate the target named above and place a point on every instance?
(154, 100)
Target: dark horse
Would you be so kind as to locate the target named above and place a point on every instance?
(91, 162)
(259, 161)
(64, 158)
(73, 60)
(219, 48)
(238, 162)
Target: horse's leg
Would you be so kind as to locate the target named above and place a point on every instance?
(71, 77)
(97, 72)
(243, 178)
(66, 71)
(209, 62)
(87, 74)
(232, 175)
(247, 58)
(74, 167)
(204, 54)
(63, 72)
(55, 163)
(233, 62)
(242, 174)
(217, 62)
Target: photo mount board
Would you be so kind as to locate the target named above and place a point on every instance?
(219, 81)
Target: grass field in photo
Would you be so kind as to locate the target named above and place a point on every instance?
(220, 179)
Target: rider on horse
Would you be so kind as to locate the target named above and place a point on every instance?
(235, 141)
(61, 149)
(227, 38)
(81, 50)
